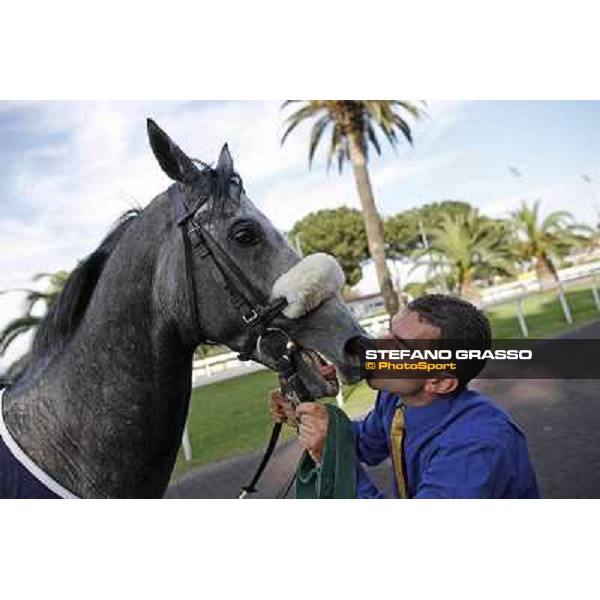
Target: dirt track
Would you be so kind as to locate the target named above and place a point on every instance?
(560, 417)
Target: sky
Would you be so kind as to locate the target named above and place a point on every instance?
(69, 169)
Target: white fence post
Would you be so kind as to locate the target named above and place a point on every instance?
(186, 444)
(564, 304)
(595, 292)
(521, 317)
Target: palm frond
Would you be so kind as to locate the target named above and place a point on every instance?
(373, 138)
(354, 118)
(296, 118)
(469, 246)
(336, 147)
(288, 103)
(27, 321)
(402, 125)
(315, 136)
(554, 236)
(15, 328)
(289, 130)
(416, 112)
(558, 218)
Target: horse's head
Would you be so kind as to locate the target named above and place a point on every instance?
(233, 252)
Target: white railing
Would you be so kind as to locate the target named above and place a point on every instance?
(377, 325)
(217, 364)
(512, 290)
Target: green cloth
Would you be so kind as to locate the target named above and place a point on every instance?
(336, 476)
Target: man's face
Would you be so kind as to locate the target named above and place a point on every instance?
(410, 326)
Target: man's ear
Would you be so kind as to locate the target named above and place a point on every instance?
(225, 162)
(442, 385)
(172, 160)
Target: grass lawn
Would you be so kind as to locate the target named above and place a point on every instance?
(543, 313)
(230, 417)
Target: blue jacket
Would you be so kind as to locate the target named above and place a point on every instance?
(16, 481)
(461, 446)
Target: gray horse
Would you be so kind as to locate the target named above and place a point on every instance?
(101, 404)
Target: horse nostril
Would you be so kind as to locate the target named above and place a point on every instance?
(357, 345)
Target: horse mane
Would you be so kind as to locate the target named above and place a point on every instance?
(66, 312)
(214, 183)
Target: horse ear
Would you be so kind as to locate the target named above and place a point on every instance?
(172, 160)
(225, 163)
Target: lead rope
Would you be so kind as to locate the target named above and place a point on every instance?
(291, 387)
(249, 489)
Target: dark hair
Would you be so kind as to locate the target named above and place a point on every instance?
(66, 312)
(462, 326)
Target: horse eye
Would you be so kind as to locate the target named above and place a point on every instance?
(245, 233)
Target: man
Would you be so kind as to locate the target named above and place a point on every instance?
(445, 440)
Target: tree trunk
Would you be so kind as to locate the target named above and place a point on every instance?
(469, 291)
(373, 226)
(546, 273)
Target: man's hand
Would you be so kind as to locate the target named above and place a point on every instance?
(281, 409)
(329, 373)
(312, 433)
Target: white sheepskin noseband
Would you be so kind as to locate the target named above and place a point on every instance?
(313, 280)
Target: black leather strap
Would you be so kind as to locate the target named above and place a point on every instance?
(190, 283)
(254, 307)
(273, 439)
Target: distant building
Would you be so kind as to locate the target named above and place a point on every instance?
(365, 306)
(403, 272)
(366, 298)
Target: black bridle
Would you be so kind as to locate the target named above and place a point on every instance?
(256, 312)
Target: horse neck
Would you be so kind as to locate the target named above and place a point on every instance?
(106, 416)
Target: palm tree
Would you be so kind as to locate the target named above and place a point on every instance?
(353, 124)
(28, 321)
(465, 247)
(546, 241)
